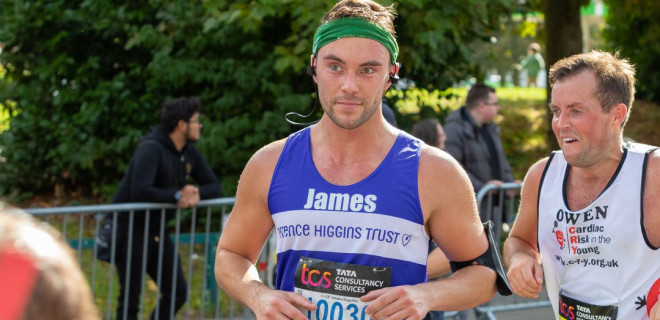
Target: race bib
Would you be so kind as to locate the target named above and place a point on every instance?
(573, 309)
(336, 288)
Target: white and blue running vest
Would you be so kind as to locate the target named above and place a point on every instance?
(375, 222)
(599, 254)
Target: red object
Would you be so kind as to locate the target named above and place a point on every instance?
(652, 296)
(262, 265)
(18, 276)
(560, 238)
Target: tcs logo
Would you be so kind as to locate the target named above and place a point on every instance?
(567, 311)
(314, 277)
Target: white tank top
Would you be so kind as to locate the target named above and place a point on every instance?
(597, 258)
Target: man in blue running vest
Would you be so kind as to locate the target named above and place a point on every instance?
(352, 201)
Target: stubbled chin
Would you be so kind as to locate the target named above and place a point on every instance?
(569, 146)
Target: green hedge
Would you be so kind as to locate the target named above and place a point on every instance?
(633, 29)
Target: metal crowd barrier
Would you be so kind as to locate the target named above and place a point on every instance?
(195, 234)
(503, 214)
(197, 244)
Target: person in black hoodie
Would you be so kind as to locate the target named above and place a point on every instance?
(160, 170)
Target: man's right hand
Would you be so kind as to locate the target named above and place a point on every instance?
(525, 276)
(276, 304)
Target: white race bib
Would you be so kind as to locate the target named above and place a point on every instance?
(336, 288)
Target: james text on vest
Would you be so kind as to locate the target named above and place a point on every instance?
(340, 201)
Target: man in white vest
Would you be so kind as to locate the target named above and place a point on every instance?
(589, 217)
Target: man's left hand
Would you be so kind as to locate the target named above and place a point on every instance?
(402, 302)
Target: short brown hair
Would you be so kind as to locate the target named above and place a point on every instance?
(478, 93)
(615, 77)
(366, 9)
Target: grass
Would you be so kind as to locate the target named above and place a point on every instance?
(200, 302)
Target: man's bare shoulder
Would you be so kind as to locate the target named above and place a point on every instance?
(535, 171)
(259, 169)
(267, 156)
(524, 227)
(653, 167)
(440, 174)
(654, 158)
(436, 161)
(449, 206)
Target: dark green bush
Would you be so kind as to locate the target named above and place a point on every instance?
(633, 29)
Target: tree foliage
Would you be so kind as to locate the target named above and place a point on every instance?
(633, 29)
(85, 78)
(507, 47)
(563, 39)
(435, 37)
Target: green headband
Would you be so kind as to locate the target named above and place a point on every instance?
(354, 27)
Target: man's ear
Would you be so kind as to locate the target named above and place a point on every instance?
(181, 125)
(620, 112)
(311, 69)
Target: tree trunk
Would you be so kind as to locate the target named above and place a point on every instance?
(563, 39)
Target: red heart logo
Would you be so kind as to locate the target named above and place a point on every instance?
(560, 238)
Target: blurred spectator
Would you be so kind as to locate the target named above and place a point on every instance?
(474, 140)
(39, 275)
(162, 170)
(430, 131)
(533, 63)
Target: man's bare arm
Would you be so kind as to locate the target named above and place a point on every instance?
(520, 253)
(243, 238)
(449, 208)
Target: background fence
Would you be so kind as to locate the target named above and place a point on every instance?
(195, 235)
(496, 206)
